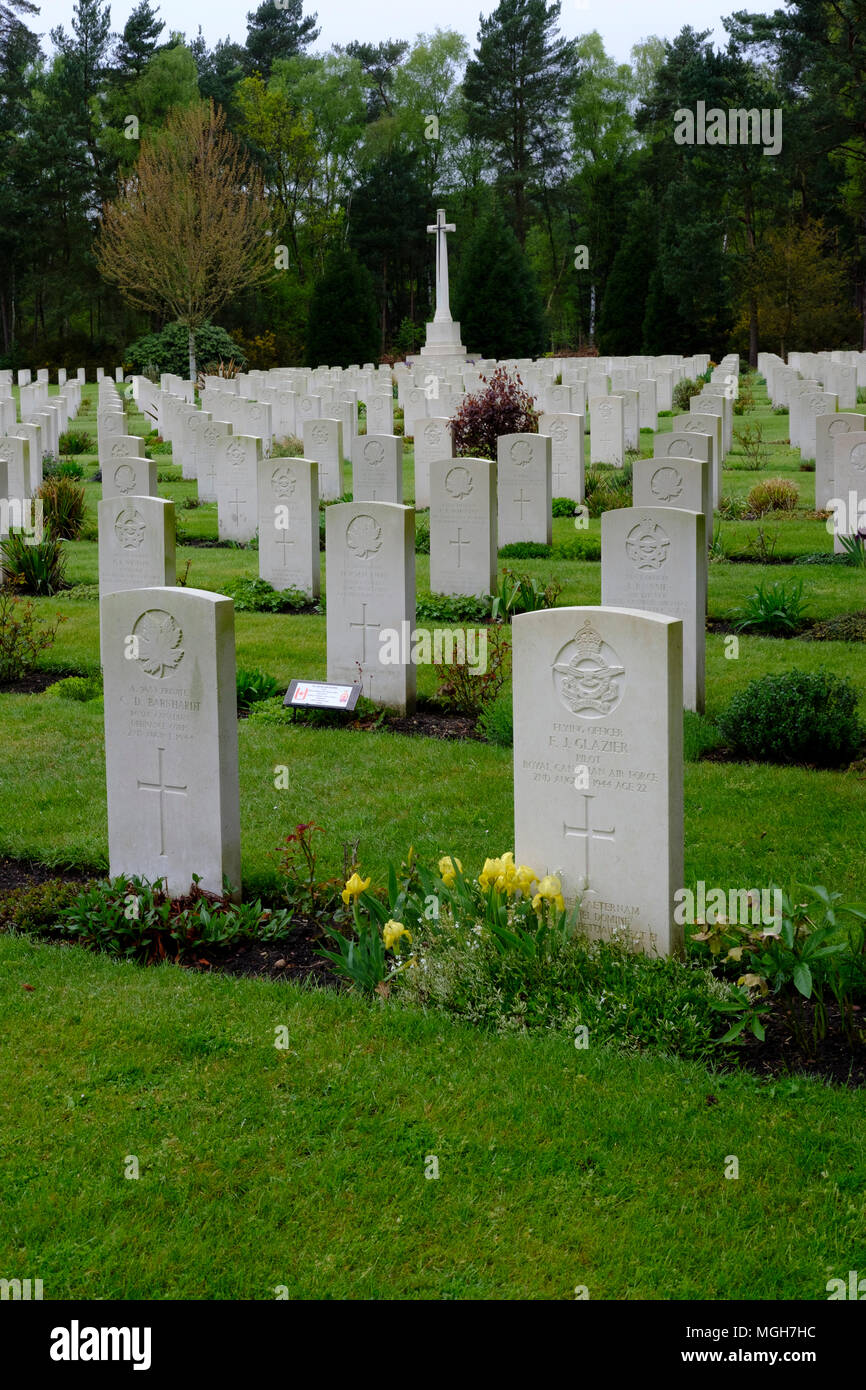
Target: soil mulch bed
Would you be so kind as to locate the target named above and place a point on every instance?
(833, 1059)
(295, 959)
(849, 627)
(429, 723)
(35, 683)
(23, 873)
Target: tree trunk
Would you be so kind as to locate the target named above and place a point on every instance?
(753, 330)
(192, 356)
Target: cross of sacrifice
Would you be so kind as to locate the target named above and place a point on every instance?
(164, 789)
(586, 833)
(364, 625)
(440, 227)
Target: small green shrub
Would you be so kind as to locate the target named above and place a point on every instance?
(773, 608)
(37, 906)
(255, 685)
(496, 722)
(163, 928)
(683, 392)
(88, 593)
(422, 534)
(258, 596)
(471, 691)
(563, 506)
(271, 711)
(452, 608)
(797, 717)
(63, 508)
(82, 688)
(34, 569)
(23, 635)
(525, 550)
(755, 453)
(579, 547)
(76, 442)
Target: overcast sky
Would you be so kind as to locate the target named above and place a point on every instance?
(621, 23)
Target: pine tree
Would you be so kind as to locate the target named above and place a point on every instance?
(620, 322)
(343, 324)
(138, 41)
(516, 91)
(277, 31)
(496, 296)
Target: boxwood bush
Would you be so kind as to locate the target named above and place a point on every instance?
(798, 717)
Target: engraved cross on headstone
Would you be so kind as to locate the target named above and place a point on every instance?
(459, 542)
(164, 789)
(364, 625)
(586, 833)
(283, 540)
(236, 501)
(521, 500)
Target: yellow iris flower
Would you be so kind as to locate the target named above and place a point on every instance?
(549, 890)
(392, 933)
(448, 870)
(355, 886)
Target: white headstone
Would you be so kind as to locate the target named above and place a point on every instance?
(237, 487)
(525, 479)
(370, 560)
(849, 486)
(711, 425)
(567, 454)
(433, 441)
(288, 496)
(463, 526)
(323, 441)
(655, 559)
(128, 477)
(598, 764)
(828, 428)
(606, 430)
(136, 543)
(672, 482)
(380, 413)
(377, 468)
(171, 738)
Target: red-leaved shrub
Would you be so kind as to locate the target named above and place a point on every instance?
(501, 406)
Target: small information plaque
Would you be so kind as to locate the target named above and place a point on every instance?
(320, 695)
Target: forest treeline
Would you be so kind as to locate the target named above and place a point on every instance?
(571, 195)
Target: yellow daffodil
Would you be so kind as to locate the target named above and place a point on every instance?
(354, 888)
(448, 870)
(392, 932)
(549, 890)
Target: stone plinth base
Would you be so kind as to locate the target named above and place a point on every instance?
(443, 340)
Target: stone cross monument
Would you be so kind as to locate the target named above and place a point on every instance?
(443, 334)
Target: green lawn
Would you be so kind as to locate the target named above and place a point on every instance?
(305, 1167)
